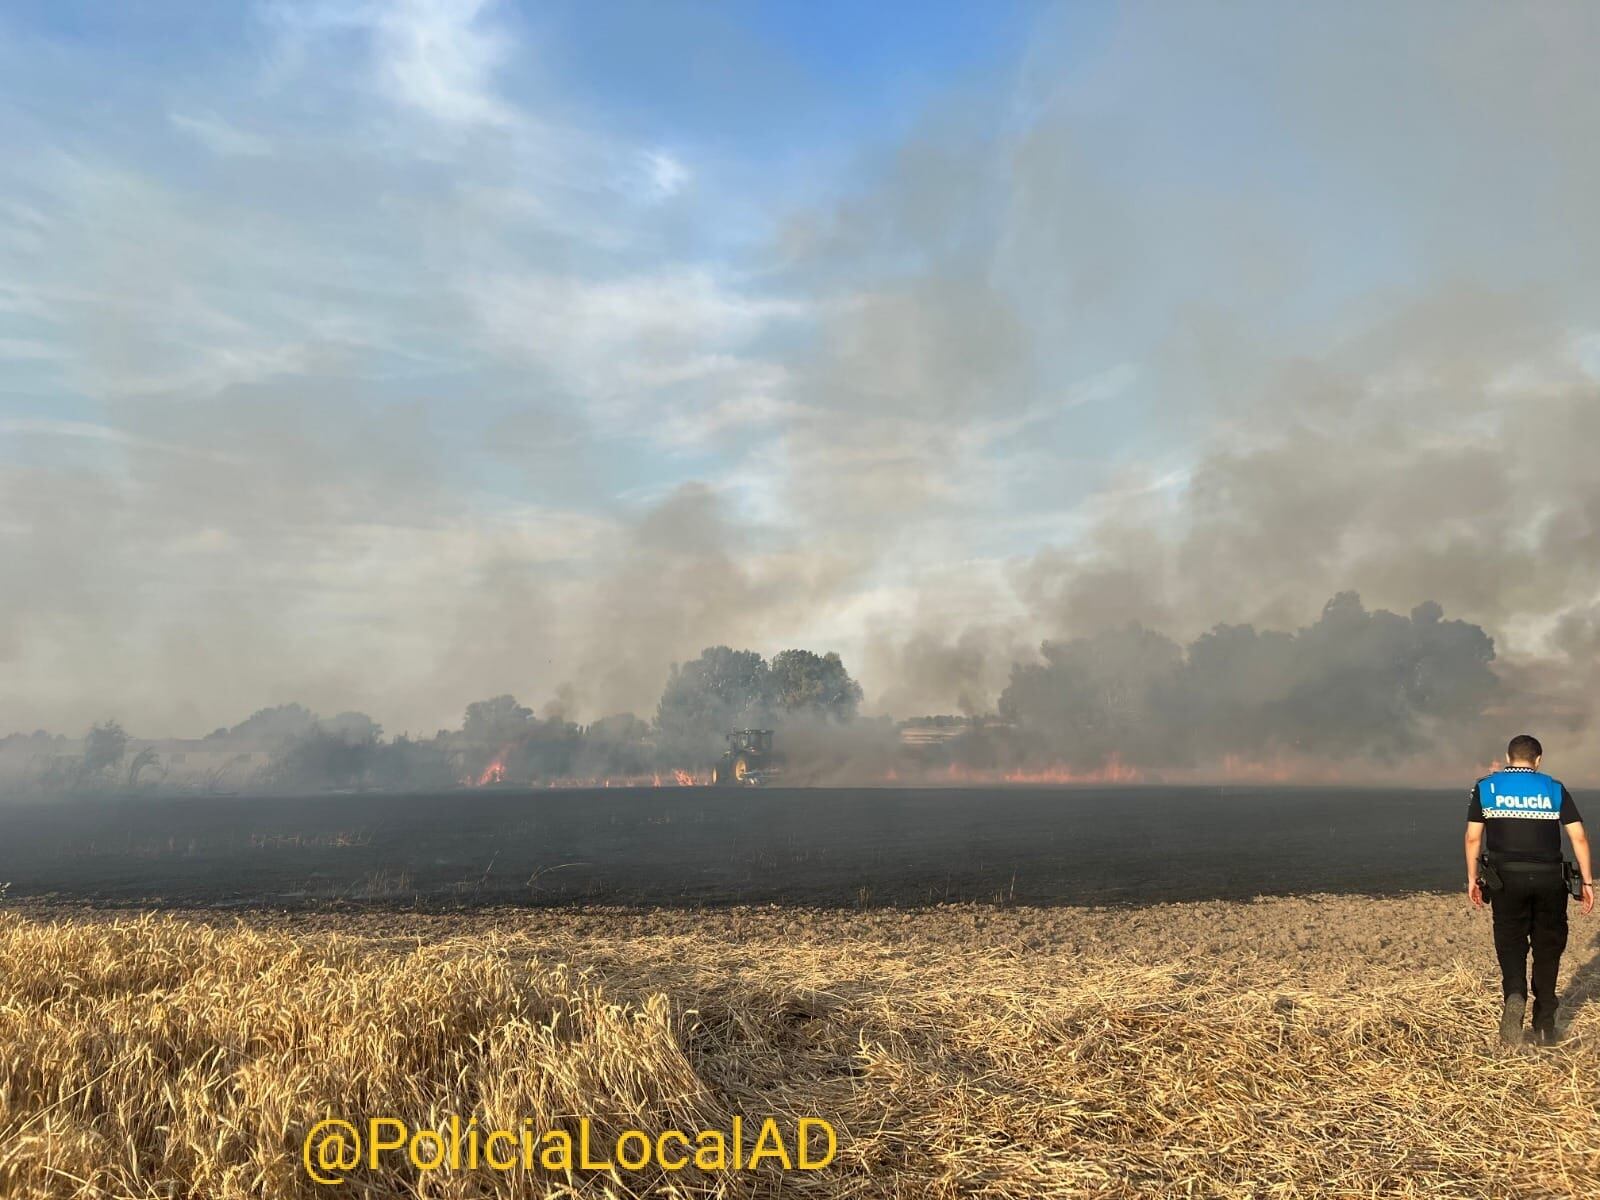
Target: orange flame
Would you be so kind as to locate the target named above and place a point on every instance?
(496, 772)
(1111, 771)
(1246, 770)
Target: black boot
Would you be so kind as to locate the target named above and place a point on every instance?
(1511, 1020)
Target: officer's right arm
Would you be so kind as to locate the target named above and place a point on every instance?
(1580, 851)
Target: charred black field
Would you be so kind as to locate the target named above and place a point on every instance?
(850, 847)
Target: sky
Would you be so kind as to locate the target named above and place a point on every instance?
(387, 356)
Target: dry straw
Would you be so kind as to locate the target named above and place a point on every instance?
(959, 1053)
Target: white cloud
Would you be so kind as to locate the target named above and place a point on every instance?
(219, 137)
(746, 395)
(617, 341)
(437, 56)
(91, 431)
(593, 330)
(665, 175)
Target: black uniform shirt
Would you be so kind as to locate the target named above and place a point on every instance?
(1524, 840)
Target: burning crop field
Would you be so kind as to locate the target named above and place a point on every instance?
(1296, 1047)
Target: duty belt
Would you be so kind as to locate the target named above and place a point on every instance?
(1490, 866)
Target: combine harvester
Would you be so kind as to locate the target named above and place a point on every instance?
(749, 760)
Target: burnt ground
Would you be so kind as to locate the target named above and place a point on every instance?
(697, 847)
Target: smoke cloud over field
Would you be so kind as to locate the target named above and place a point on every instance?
(371, 364)
(1130, 704)
(1353, 685)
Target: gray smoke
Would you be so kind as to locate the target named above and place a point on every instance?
(1429, 443)
(1354, 685)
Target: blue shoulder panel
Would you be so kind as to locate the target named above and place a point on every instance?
(1526, 795)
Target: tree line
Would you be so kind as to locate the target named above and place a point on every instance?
(500, 737)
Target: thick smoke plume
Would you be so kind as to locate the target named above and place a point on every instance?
(1355, 686)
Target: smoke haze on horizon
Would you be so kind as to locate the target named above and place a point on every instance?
(385, 357)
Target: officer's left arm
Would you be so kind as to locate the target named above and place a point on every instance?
(1474, 840)
(1580, 847)
(1580, 851)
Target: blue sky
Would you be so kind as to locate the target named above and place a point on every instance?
(388, 355)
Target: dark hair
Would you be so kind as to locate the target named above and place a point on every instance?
(1524, 748)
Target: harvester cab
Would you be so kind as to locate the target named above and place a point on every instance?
(749, 759)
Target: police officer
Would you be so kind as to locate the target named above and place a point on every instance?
(1513, 819)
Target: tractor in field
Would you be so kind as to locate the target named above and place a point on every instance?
(748, 761)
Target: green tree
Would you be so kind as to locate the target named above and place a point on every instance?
(803, 681)
(104, 747)
(355, 728)
(723, 689)
(496, 722)
(272, 728)
(322, 759)
(404, 763)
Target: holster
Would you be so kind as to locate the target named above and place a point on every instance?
(1488, 877)
(1573, 878)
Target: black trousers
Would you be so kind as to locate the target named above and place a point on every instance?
(1530, 912)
